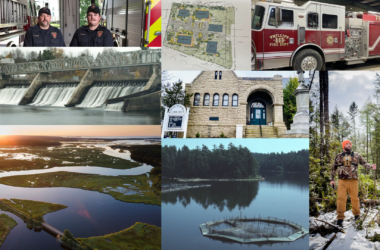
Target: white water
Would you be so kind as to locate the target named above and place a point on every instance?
(115, 106)
(11, 95)
(55, 95)
(119, 105)
(100, 92)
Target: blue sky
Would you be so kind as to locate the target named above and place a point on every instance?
(254, 145)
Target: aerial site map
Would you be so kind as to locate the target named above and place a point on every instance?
(202, 31)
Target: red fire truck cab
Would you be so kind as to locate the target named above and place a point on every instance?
(306, 37)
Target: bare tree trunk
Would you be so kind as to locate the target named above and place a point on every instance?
(322, 112)
(367, 140)
(326, 118)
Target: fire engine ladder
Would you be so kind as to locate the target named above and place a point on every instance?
(12, 14)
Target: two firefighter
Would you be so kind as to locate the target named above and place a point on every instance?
(45, 35)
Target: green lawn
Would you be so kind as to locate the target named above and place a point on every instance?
(6, 225)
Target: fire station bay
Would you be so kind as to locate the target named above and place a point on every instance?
(223, 102)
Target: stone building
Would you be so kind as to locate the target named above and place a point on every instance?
(223, 101)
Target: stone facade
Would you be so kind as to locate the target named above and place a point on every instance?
(212, 121)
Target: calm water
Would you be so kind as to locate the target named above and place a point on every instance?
(31, 115)
(83, 170)
(88, 214)
(282, 196)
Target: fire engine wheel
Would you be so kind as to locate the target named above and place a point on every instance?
(307, 60)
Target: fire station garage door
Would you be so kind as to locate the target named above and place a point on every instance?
(134, 16)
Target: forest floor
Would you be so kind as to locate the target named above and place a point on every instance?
(352, 238)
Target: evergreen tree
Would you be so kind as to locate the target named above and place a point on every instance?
(173, 94)
(353, 112)
(290, 105)
(201, 162)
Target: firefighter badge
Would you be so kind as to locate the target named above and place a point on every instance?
(330, 40)
(54, 34)
(93, 6)
(100, 33)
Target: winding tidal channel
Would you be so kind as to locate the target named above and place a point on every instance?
(89, 213)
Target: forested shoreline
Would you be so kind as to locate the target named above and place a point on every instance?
(284, 162)
(219, 162)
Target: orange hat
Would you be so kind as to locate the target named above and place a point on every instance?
(344, 143)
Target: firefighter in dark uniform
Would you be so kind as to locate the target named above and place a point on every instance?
(43, 34)
(93, 34)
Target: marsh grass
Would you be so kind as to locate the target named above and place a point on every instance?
(137, 185)
(6, 225)
(138, 236)
(59, 157)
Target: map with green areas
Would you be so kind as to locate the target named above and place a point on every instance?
(202, 31)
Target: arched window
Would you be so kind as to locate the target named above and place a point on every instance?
(235, 100)
(197, 98)
(216, 100)
(225, 100)
(206, 100)
(216, 75)
(220, 75)
(257, 105)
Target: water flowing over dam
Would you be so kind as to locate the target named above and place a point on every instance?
(54, 94)
(101, 91)
(12, 94)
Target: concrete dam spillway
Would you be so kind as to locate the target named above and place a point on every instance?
(59, 94)
(54, 94)
(12, 94)
(101, 91)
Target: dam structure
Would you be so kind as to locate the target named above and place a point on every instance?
(84, 81)
(12, 94)
(254, 230)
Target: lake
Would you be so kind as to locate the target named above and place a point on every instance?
(283, 196)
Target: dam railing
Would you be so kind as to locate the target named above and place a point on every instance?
(114, 60)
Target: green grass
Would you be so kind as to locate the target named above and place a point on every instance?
(137, 184)
(82, 156)
(139, 236)
(6, 225)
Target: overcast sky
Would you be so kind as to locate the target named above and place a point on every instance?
(254, 145)
(188, 76)
(350, 86)
(82, 130)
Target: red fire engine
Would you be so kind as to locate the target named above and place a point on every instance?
(306, 37)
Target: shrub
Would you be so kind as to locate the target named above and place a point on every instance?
(222, 135)
(197, 135)
(155, 171)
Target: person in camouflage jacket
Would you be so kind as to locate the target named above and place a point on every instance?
(346, 164)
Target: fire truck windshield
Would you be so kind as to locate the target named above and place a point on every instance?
(258, 16)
